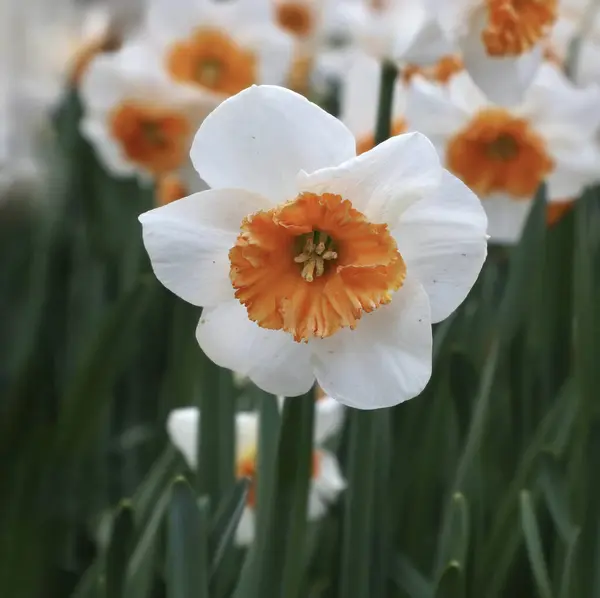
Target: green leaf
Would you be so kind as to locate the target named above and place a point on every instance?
(119, 550)
(451, 582)
(356, 555)
(534, 546)
(553, 489)
(187, 544)
(409, 579)
(90, 389)
(153, 485)
(454, 545)
(566, 582)
(216, 433)
(141, 567)
(225, 522)
(268, 439)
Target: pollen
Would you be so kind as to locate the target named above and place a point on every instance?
(212, 60)
(313, 266)
(295, 17)
(367, 142)
(515, 26)
(153, 137)
(499, 152)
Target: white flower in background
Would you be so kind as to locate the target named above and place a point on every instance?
(579, 19)
(401, 30)
(311, 262)
(501, 41)
(219, 48)
(138, 121)
(359, 101)
(326, 481)
(505, 154)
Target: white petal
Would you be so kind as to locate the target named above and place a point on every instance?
(326, 487)
(329, 417)
(503, 80)
(260, 139)
(431, 111)
(270, 358)
(577, 165)
(329, 481)
(182, 427)
(244, 535)
(506, 218)
(384, 181)
(386, 360)
(188, 242)
(246, 433)
(360, 94)
(443, 242)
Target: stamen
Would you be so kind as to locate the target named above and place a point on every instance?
(314, 255)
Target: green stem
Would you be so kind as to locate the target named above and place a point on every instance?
(383, 126)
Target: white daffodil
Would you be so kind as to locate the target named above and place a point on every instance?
(219, 48)
(311, 262)
(400, 30)
(139, 122)
(505, 154)
(579, 20)
(326, 481)
(501, 41)
(359, 101)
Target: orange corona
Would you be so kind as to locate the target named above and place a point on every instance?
(295, 17)
(313, 265)
(441, 72)
(498, 152)
(212, 60)
(153, 137)
(515, 26)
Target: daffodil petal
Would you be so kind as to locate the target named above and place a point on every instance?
(329, 417)
(270, 358)
(244, 534)
(384, 181)
(386, 360)
(506, 218)
(503, 80)
(182, 427)
(188, 242)
(260, 139)
(443, 242)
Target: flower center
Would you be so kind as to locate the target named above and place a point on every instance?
(317, 252)
(367, 142)
(212, 60)
(295, 17)
(246, 468)
(313, 265)
(153, 137)
(498, 152)
(515, 26)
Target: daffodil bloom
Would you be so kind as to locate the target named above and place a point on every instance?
(501, 41)
(579, 20)
(401, 30)
(360, 100)
(217, 49)
(311, 262)
(505, 154)
(326, 481)
(138, 121)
